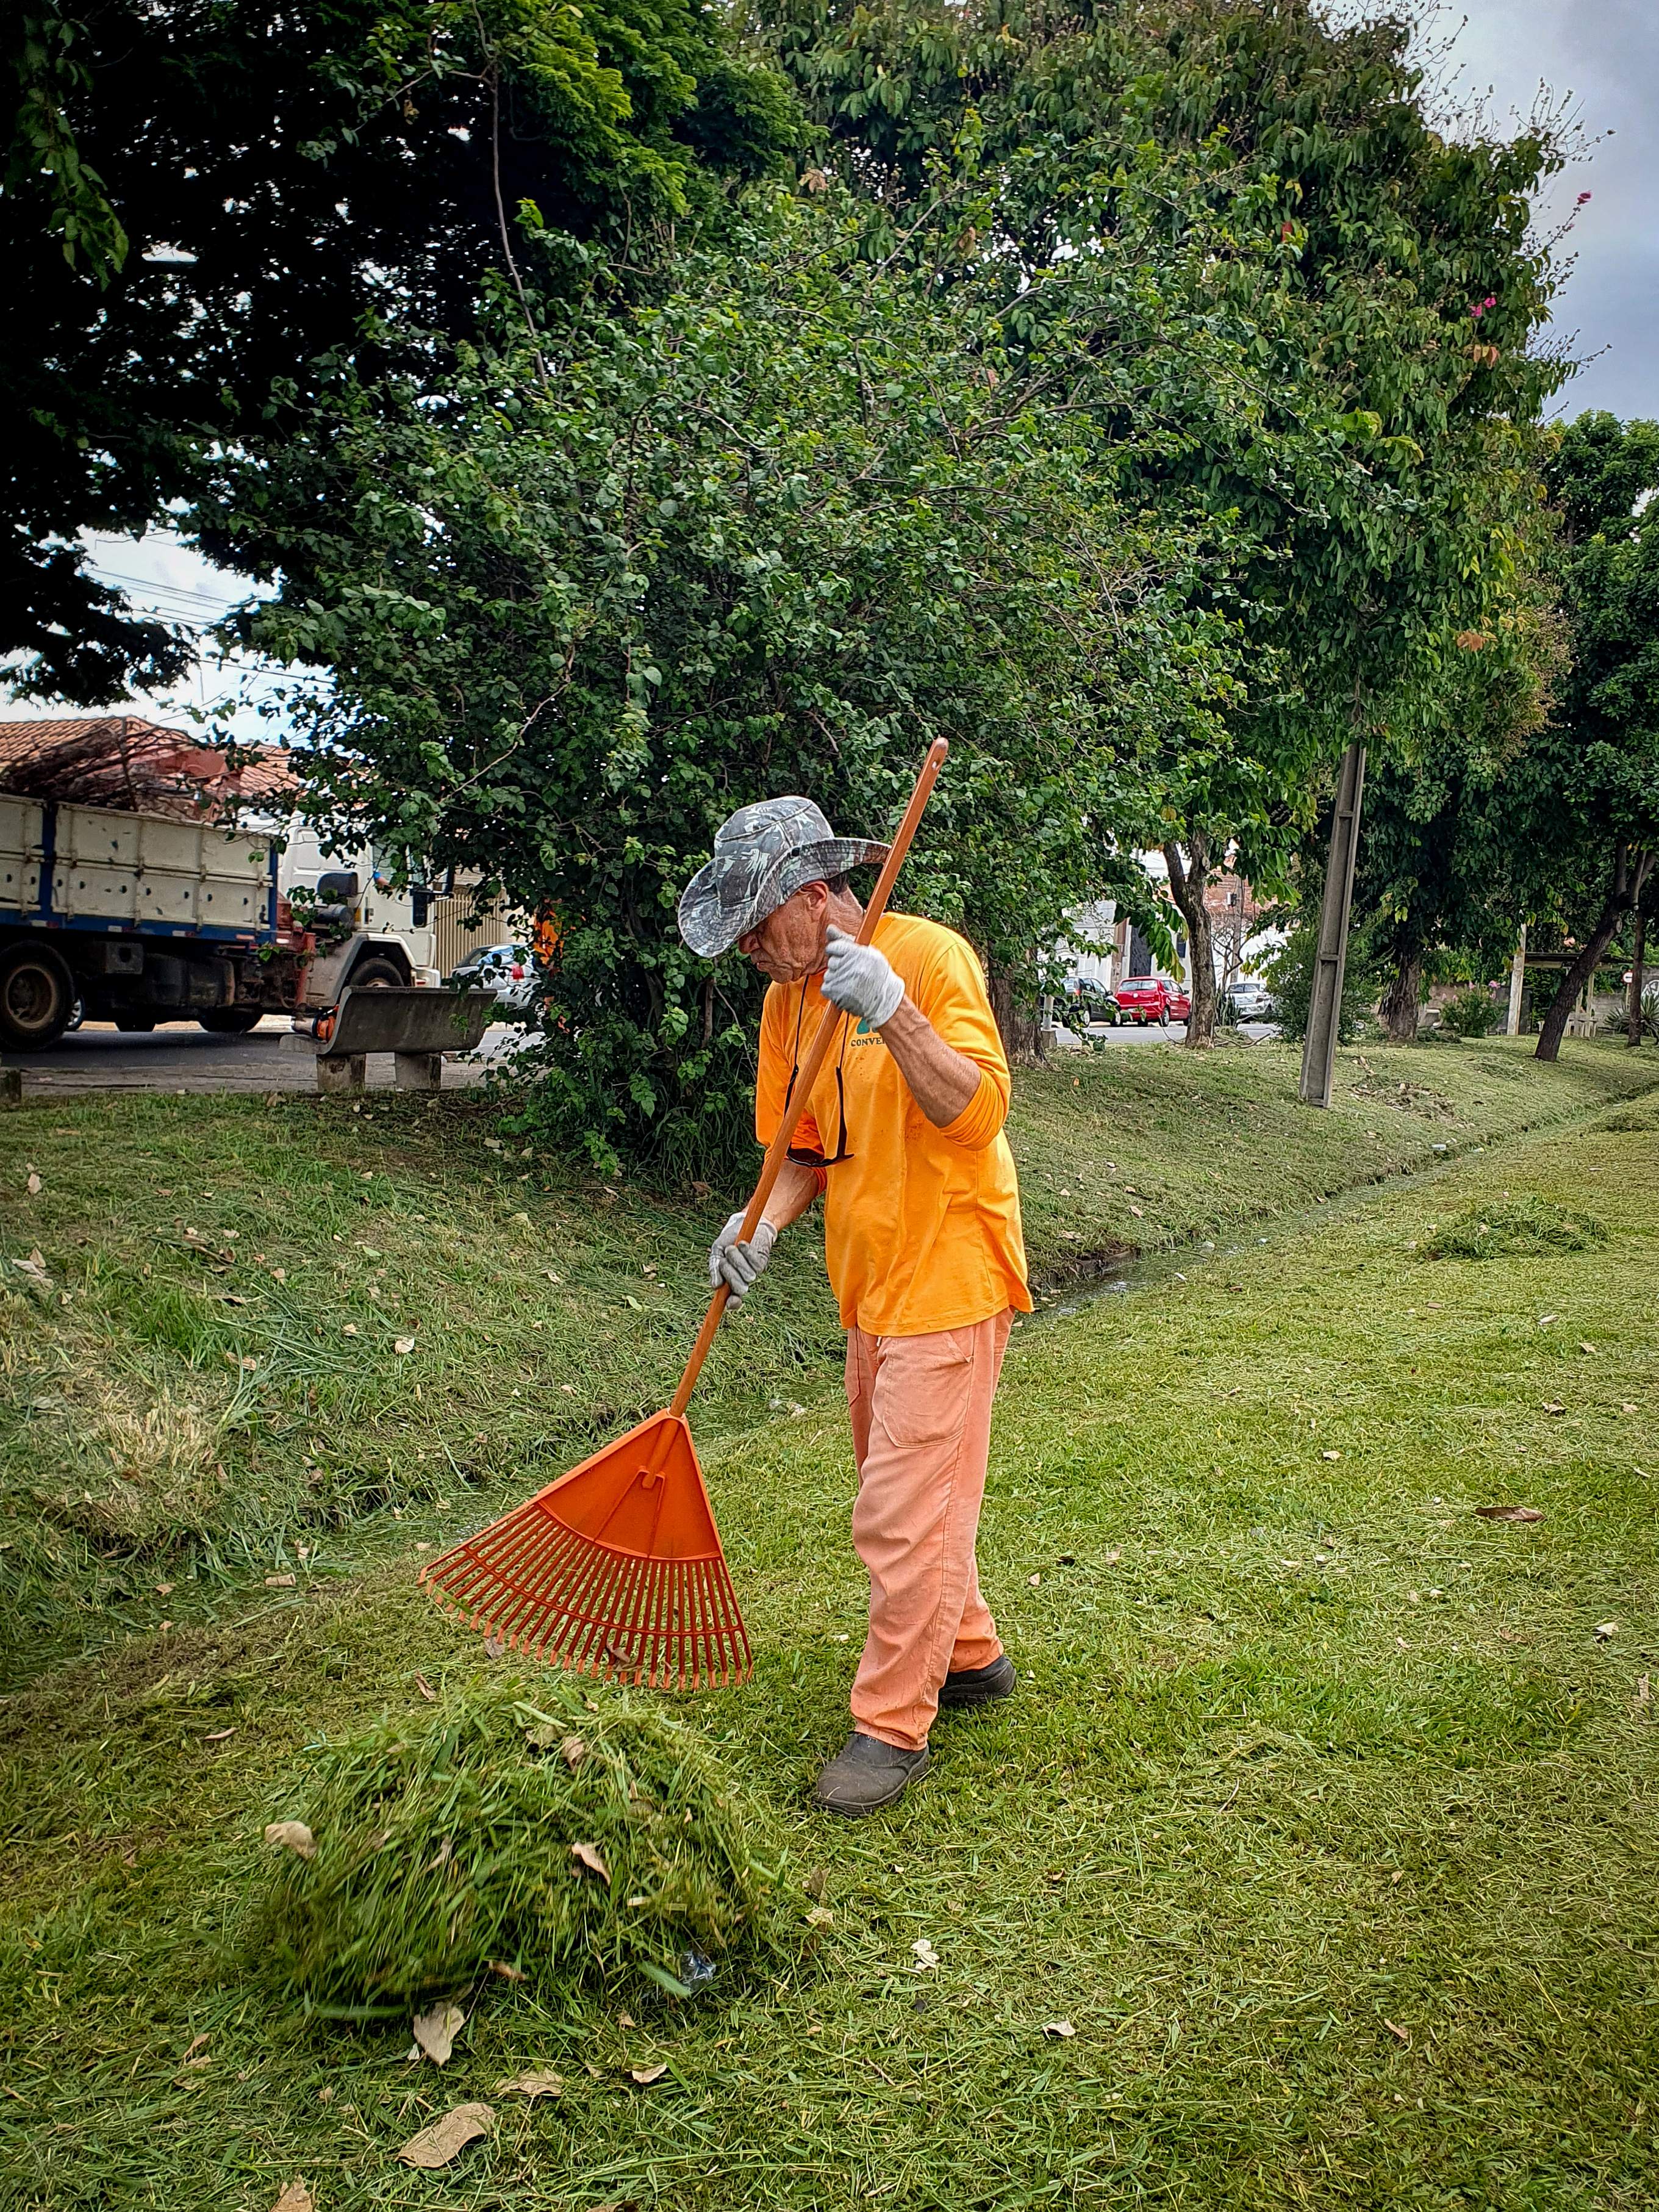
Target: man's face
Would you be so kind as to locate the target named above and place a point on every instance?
(791, 942)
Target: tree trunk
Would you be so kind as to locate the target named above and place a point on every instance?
(1403, 1000)
(1583, 968)
(1633, 1010)
(1013, 1001)
(1187, 879)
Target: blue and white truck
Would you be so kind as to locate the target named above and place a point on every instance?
(140, 918)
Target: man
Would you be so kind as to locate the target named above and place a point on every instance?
(902, 1137)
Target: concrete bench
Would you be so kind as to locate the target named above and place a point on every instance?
(417, 1026)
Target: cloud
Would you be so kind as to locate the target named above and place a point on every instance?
(1605, 53)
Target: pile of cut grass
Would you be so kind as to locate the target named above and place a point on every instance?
(522, 1826)
(1515, 1228)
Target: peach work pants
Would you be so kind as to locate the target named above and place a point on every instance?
(921, 1435)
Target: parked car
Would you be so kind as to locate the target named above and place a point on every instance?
(1144, 999)
(1250, 1001)
(507, 970)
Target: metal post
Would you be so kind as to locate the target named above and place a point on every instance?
(1517, 985)
(1325, 1007)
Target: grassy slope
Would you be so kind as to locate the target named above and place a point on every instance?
(1307, 1749)
(171, 1434)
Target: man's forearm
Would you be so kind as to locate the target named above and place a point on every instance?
(793, 1192)
(943, 1081)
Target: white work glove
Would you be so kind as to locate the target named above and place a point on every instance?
(737, 1264)
(862, 981)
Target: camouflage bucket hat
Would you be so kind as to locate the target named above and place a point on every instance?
(763, 855)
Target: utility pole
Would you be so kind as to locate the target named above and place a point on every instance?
(1325, 1007)
(1517, 985)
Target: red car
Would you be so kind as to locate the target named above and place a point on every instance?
(1146, 999)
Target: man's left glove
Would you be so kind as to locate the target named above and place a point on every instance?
(737, 1265)
(862, 981)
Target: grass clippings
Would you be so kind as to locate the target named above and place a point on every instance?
(463, 1839)
(1516, 1229)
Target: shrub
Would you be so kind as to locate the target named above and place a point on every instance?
(1472, 1013)
(1288, 974)
(447, 1842)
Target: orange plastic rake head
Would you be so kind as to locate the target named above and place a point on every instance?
(616, 1568)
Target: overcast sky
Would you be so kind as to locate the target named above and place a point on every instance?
(1606, 54)
(1510, 53)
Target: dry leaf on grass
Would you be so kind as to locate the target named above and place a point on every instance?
(1060, 2029)
(543, 2082)
(494, 1647)
(1330, 1455)
(279, 1582)
(926, 1957)
(507, 1973)
(1399, 2032)
(1554, 1405)
(426, 1689)
(436, 2031)
(404, 1344)
(592, 1858)
(1509, 1512)
(817, 1882)
(1111, 1559)
(34, 1186)
(446, 2138)
(294, 1836)
(296, 2197)
(1606, 1630)
(820, 1917)
(573, 1751)
(645, 2075)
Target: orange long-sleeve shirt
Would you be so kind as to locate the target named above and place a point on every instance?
(921, 1227)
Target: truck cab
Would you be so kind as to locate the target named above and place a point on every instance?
(366, 931)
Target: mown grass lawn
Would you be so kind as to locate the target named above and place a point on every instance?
(1325, 1817)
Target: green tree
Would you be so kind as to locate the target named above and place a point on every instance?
(773, 529)
(1377, 279)
(1438, 891)
(205, 199)
(1585, 803)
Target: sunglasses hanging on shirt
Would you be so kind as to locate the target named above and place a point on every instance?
(804, 1155)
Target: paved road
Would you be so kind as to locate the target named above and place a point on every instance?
(183, 1057)
(1131, 1033)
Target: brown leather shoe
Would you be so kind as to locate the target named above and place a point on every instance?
(977, 1686)
(865, 1775)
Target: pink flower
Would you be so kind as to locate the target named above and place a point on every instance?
(1477, 311)
(1582, 196)
(1490, 299)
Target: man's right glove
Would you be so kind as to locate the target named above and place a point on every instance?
(738, 1265)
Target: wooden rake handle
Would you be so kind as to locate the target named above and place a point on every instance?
(812, 1067)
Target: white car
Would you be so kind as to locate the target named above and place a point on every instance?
(507, 970)
(1250, 1002)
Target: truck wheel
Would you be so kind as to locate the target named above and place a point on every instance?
(231, 1021)
(376, 976)
(36, 997)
